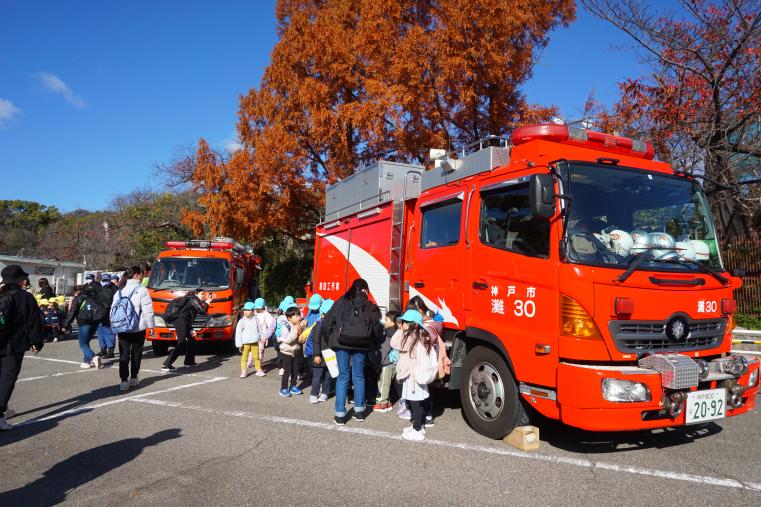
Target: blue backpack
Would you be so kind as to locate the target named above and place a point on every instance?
(124, 318)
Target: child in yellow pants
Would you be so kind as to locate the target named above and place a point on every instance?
(247, 340)
(250, 348)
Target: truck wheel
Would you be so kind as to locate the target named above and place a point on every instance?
(491, 402)
(160, 348)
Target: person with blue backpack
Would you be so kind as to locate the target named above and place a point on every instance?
(131, 316)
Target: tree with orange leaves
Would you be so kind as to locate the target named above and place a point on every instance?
(702, 103)
(353, 82)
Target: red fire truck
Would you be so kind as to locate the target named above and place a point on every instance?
(221, 266)
(577, 277)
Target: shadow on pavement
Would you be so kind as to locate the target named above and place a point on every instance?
(73, 472)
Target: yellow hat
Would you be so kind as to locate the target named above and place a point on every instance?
(43, 302)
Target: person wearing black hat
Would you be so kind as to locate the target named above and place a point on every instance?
(20, 330)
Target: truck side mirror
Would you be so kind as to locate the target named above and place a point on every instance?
(541, 195)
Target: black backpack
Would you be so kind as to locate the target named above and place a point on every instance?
(7, 314)
(355, 326)
(174, 309)
(91, 311)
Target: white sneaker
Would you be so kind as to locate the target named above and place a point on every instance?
(415, 436)
(243, 374)
(5, 425)
(322, 398)
(280, 372)
(313, 400)
(55, 340)
(260, 373)
(97, 362)
(124, 386)
(133, 382)
(85, 366)
(412, 428)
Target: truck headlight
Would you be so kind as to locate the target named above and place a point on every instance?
(219, 321)
(159, 321)
(614, 389)
(753, 378)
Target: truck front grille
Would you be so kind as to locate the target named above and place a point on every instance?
(650, 336)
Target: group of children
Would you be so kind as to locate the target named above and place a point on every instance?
(52, 319)
(411, 355)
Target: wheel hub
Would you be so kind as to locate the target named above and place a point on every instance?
(487, 391)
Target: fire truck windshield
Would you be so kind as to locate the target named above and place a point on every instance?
(616, 213)
(185, 273)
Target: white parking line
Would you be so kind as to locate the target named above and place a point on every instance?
(60, 374)
(87, 408)
(597, 465)
(52, 359)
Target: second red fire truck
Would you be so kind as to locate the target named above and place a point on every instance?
(576, 275)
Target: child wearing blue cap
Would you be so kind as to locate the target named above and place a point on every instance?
(317, 341)
(267, 326)
(417, 356)
(247, 340)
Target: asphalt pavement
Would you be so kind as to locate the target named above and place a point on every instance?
(203, 436)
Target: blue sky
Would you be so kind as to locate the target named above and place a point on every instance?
(94, 94)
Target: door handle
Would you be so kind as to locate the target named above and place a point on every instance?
(419, 285)
(480, 285)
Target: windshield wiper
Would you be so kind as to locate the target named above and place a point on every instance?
(701, 267)
(635, 262)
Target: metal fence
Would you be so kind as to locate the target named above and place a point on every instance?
(746, 255)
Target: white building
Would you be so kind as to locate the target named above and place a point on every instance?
(62, 275)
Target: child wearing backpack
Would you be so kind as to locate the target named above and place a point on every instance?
(247, 340)
(417, 366)
(388, 365)
(317, 341)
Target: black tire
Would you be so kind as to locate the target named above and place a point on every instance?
(495, 406)
(160, 348)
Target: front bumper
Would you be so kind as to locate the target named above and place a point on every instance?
(580, 402)
(205, 334)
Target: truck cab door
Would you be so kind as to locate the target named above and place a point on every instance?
(513, 283)
(436, 271)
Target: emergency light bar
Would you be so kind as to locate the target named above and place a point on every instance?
(198, 243)
(581, 137)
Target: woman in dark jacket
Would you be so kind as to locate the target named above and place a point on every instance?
(45, 291)
(353, 326)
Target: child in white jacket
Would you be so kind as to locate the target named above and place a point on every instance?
(247, 339)
(414, 344)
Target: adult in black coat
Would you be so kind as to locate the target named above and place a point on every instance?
(353, 326)
(183, 326)
(22, 330)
